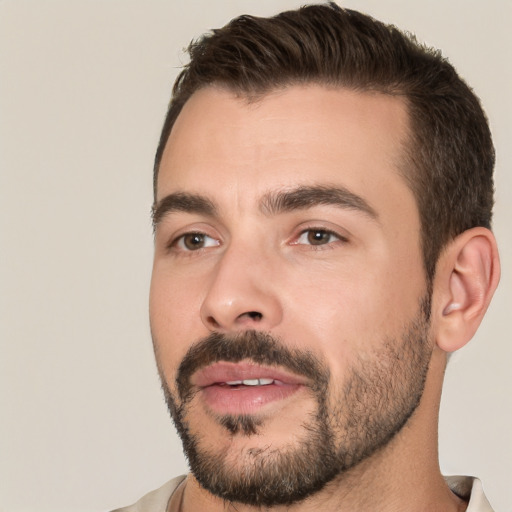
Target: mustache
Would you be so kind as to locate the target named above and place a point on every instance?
(260, 347)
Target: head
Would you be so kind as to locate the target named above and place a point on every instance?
(312, 169)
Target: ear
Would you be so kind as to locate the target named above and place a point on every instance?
(467, 274)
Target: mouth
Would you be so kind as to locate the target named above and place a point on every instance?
(244, 388)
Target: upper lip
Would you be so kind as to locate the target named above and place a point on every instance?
(224, 371)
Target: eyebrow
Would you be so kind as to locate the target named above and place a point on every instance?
(182, 202)
(272, 203)
(304, 197)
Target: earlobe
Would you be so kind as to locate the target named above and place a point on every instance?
(466, 277)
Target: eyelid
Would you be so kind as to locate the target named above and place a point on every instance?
(177, 243)
(171, 240)
(342, 235)
(180, 241)
(331, 237)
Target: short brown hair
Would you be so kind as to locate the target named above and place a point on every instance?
(450, 156)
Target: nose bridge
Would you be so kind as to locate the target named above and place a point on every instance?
(241, 293)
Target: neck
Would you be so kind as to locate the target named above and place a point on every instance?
(403, 476)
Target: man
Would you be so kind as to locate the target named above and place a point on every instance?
(323, 196)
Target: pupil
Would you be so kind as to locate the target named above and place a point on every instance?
(194, 241)
(318, 237)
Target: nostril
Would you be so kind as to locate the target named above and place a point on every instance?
(248, 316)
(213, 322)
(254, 315)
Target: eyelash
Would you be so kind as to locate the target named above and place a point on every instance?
(179, 243)
(326, 232)
(175, 243)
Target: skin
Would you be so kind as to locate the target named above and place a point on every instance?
(339, 300)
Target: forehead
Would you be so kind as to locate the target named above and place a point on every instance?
(225, 145)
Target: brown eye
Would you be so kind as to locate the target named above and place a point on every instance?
(318, 237)
(195, 241)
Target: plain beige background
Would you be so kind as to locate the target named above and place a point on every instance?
(83, 91)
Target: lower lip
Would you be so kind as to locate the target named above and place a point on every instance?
(225, 399)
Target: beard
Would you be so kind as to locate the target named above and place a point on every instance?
(350, 423)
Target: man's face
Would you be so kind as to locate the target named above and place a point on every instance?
(288, 299)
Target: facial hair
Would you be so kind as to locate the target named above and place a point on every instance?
(351, 422)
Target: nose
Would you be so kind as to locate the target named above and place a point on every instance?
(242, 293)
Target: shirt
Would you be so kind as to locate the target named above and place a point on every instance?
(168, 497)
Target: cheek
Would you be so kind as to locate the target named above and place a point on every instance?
(174, 316)
(348, 311)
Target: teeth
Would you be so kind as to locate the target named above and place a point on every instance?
(250, 382)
